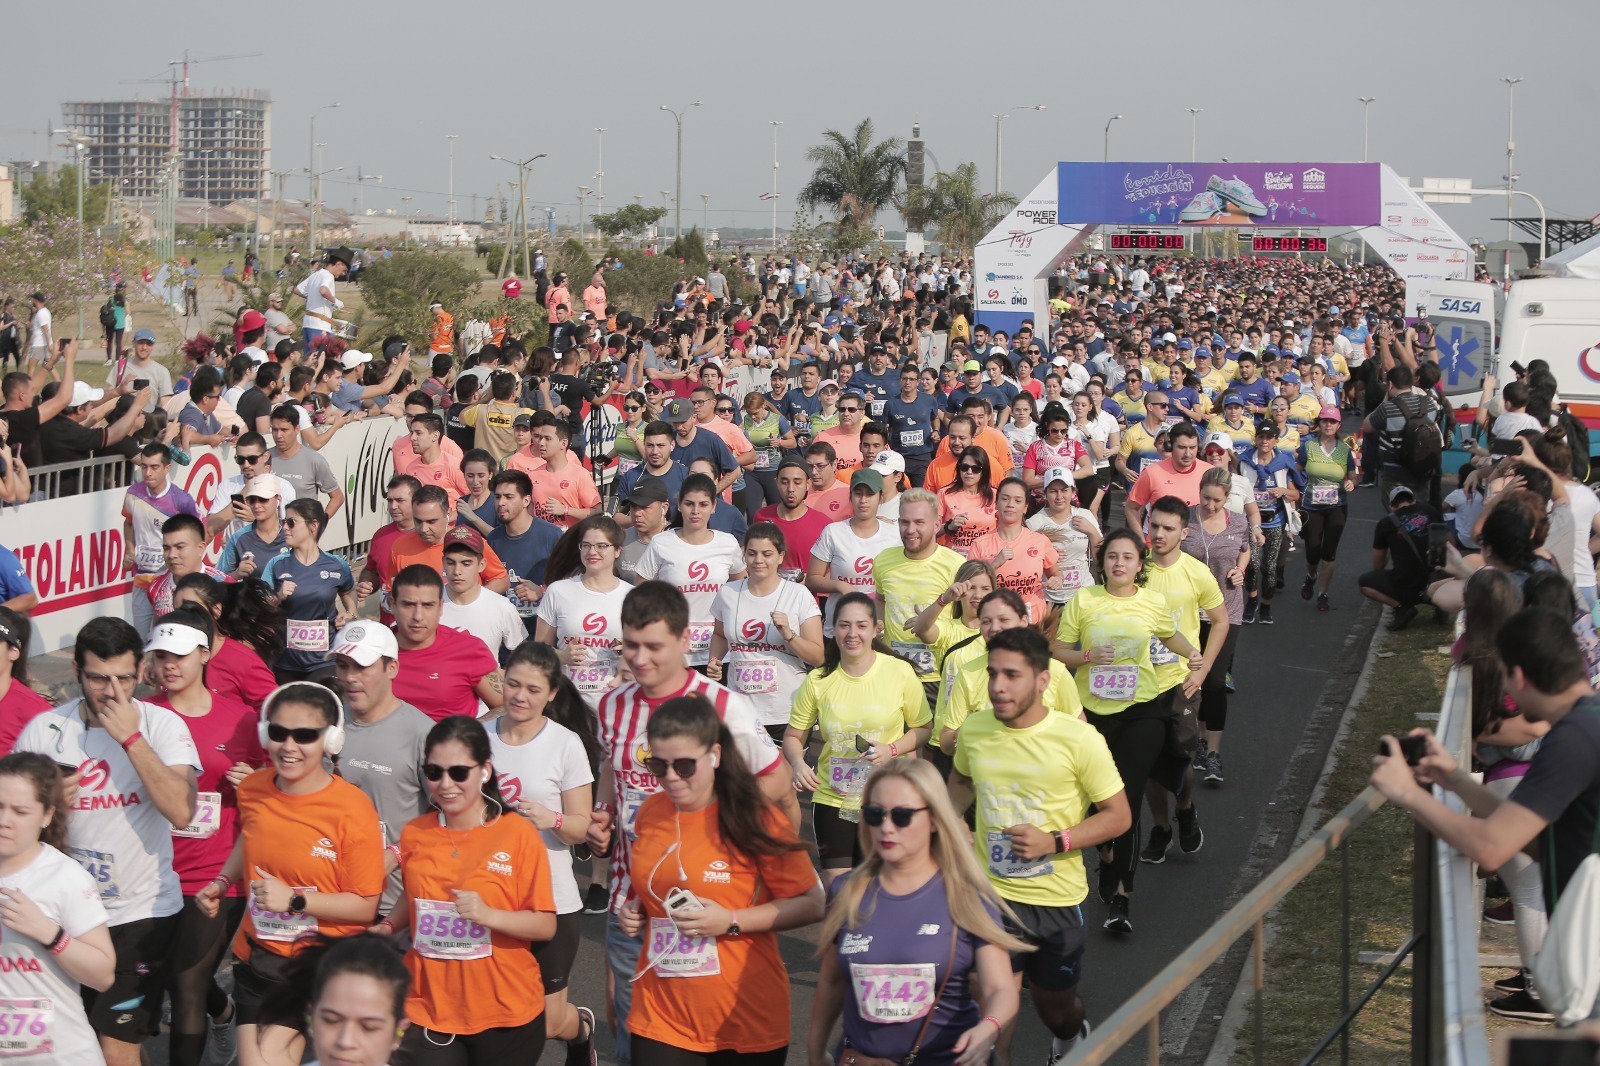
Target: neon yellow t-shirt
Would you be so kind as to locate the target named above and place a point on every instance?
(905, 586)
(1045, 775)
(969, 689)
(1138, 449)
(1189, 588)
(1243, 435)
(879, 706)
(1094, 618)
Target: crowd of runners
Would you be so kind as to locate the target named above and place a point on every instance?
(973, 596)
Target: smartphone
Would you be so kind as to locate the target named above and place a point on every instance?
(1438, 540)
(1413, 748)
(1501, 446)
(863, 745)
(141, 383)
(67, 769)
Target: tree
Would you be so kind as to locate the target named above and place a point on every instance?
(955, 204)
(44, 257)
(399, 289)
(854, 178)
(631, 218)
(44, 198)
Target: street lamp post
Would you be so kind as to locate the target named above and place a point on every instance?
(1109, 121)
(705, 216)
(999, 125)
(600, 171)
(774, 123)
(583, 194)
(80, 143)
(311, 177)
(522, 213)
(677, 220)
(1366, 111)
(1511, 146)
(405, 202)
(205, 187)
(450, 214)
(315, 234)
(1194, 131)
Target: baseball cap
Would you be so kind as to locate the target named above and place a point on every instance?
(144, 335)
(677, 411)
(175, 638)
(352, 359)
(875, 349)
(645, 491)
(464, 537)
(11, 636)
(1219, 440)
(872, 479)
(1170, 338)
(1185, 344)
(1399, 491)
(1232, 398)
(1057, 474)
(1289, 375)
(1061, 360)
(1267, 429)
(522, 421)
(970, 365)
(949, 366)
(828, 383)
(1330, 411)
(889, 462)
(251, 320)
(82, 393)
(366, 643)
(262, 486)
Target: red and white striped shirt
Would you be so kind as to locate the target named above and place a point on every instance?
(622, 715)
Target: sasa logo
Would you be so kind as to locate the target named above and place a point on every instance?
(753, 629)
(864, 565)
(699, 571)
(94, 775)
(595, 623)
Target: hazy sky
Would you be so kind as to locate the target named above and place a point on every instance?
(1277, 81)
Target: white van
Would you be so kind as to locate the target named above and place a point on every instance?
(1557, 320)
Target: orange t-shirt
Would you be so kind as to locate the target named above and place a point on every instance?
(846, 450)
(745, 1007)
(833, 502)
(572, 486)
(1023, 573)
(980, 519)
(942, 471)
(442, 472)
(405, 455)
(410, 548)
(523, 460)
(504, 862)
(327, 841)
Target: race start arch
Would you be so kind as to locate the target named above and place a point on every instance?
(1014, 262)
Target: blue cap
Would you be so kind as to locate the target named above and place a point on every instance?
(1273, 348)
(144, 335)
(1232, 398)
(1289, 375)
(830, 321)
(1185, 344)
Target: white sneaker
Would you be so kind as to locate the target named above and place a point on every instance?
(1060, 1049)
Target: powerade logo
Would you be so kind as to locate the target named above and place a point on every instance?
(596, 623)
(1038, 216)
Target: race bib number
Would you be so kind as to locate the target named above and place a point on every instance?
(1324, 495)
(207, 817)
(148, 560)
(890, 994)
(1114, 684)
(597, 673)
(877, 408)
(797, 576)
(699, 643)
(765, 458)
(675, 954)
(441, 933)
(755, 677)
(102, 866)
(1003, 862)
(848, 777)
(1073, 578)
(911, 438)
(25, 1027)
(308, 636)
(921, 655)
(624, 464)
(1160, 654)
(283, 926)
(631, 799)
(1266, 500)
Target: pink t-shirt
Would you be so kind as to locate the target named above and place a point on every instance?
(1161, 479)
(441, 679)
(1031, 555)
(1043, 456)
(17, 708)
(799, 535)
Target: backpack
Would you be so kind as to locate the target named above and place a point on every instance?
(1420, 448)
(1578, 438)
(108, 316)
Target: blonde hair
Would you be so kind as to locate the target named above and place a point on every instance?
(969, 570)
(920, 496)
(966, 886)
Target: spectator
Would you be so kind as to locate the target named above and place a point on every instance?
(1385, 429)
(15, 585)
(249, 550)
(492, 420)
(256, 402)
(350, 395)
(199, 423)
(1400, 570)
(229, 512)
(23, 416)
(80, 436)
(144, 367)
(280, 327)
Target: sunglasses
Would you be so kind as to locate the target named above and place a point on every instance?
(1153, 403)
(724, 410)
(873, 813)
(258, 499)
(969, 468)
(458, 774)
(684, 768)
(849, 410)
(632, 407)
(280, 733)
(250, 458)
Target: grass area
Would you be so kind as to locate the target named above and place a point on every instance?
(1302, 996)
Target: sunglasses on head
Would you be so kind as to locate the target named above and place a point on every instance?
(434, 772)
(873, 814)
(684, 768)
(280, 733)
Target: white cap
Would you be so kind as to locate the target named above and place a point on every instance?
(1221, 440)
(352, 359)
(1057, 474)
(82, 393)
(1170, 338)
(366, 643)
(176, 638)
(889, 462)
(1061, 360)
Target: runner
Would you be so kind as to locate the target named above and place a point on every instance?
(467, 605)
(545, 753)
(1073, 532)
(1033, 775)
(581, 612)
(911, 576)
(916, 874)
(19, 703)
(57, 949)
(770, 435)
(696, 560)
(476, 995)
(1107, 632)
(772, 629)
(248, 632)
(354, 1003)
(145, 507)
(1275, 482)
(134, 785)
(309, 847)
(799, 523)
(443, 671)
(1024, 560)
(841, 559)
(1330, 474)
(711, 987)
(1101, 437)
(183, 549)
(869, 708)
(315, 593)
(1055, 449)
(1220, 539)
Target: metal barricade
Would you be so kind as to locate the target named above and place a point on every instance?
(55, 480)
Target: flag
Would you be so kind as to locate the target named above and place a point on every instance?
(769, 196)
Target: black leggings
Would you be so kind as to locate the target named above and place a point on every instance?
(760, 489)
(654, 1053)
(1136, 736)
(422, 1046)
(191, 982)
(1322, 531)
(1214, 689)
(1266, 563)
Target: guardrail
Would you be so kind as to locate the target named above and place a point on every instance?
(55, 480)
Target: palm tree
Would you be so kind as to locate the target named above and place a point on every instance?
(854, 177)
(956, 205)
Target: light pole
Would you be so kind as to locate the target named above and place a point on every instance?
(80, 143)
(1194, 131)
(677, 221)
(1109, 121)
(999, 125)
(311, 176)
(774, 123)
(1511, 145)
(450, 214)
(405, 202)
(522, 212)
(205, 187)
(1366, 111)
(600, 171)
(583, 194)
(705, 215)
(316, 205)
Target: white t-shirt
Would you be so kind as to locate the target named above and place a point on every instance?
(235, 483)
(760, 666)
(490, 618)
(540, 770)
(581, 616)
(40, 324)
(1585, 505)
(115, 830)
(68, 897)
(311, 289)
(1073, 547)
(849, 558)
(889, 510)
(698, 571)
(1511, 423)
(1099, 430)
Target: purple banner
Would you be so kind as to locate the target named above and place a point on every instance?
(1219, 194)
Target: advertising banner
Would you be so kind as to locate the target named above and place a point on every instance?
(1219, 194)
(1013, 262)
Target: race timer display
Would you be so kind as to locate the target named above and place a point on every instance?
(1290, 244)
(1166, 242)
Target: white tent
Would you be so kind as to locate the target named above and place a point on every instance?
(1580, 261)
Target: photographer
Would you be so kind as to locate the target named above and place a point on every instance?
(565, 392)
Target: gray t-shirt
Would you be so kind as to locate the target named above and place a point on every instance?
(384, 760)
(306, 470)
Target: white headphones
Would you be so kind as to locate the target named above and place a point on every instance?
(332, 737)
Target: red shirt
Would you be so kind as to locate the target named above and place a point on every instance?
(512, 288)
(441, 679)
(799, 534)
(225, 736)
(17, 708)
(236, 672)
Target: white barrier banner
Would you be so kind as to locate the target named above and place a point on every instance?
(73, 547)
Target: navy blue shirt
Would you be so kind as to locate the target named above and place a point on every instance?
(988, 392)
(526, 555)
(911, 424)
(726, 518)
(310, 610)
(796, 400)
(1258, 391)
(705, 445)
(877, 388)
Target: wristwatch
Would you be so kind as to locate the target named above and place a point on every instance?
(297, 903)
(733, 926)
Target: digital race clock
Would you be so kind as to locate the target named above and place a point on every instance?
(1290, 244)
(1166, 242)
